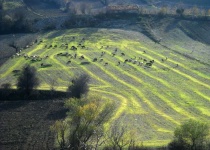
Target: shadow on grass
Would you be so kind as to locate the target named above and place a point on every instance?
(15, 95)
(9, 105)
(85, 63)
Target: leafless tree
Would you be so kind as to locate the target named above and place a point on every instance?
(119, 138)
(60, 128)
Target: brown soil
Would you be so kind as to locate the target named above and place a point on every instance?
(26, 124)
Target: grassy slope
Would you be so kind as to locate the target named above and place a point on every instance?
(152, 101)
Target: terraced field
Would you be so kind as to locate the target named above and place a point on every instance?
(150, 100)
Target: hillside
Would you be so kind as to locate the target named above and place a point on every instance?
(154, 67)
(151, 100)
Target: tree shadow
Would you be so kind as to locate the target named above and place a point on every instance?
(16, 95)
(9, 105)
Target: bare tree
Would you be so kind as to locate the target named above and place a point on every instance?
(119, 138)
(60, 128)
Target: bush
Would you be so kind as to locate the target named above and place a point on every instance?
(178, 145)
(191, 135)
(79, 86)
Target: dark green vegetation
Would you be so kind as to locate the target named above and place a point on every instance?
(191, 135)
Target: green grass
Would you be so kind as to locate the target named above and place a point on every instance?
(151, 101)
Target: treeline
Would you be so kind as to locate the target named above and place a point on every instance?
(192, 2)
(82, 15)
(15, 22)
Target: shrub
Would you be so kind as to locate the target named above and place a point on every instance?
(79, 86)
(191, 135)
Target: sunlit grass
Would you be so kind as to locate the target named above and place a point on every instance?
(151, 100)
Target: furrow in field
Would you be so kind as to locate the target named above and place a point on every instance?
(144, 99)
(177, 71)
(180, 73)
(202, 95)
(145, 119)
(186, 98)
(135, 104)
(195, 73)
(133, 101)
(164, 98)
(96, 77)
(64, 70)
(84, 68)
(120, 109)
(105, 83)
(190, 77)
(187, 114)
